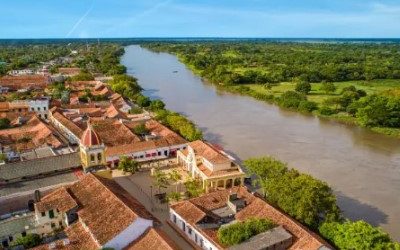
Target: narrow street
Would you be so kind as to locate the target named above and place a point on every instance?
(133, 184)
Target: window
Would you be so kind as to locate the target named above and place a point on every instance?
(51, 214)
(159, 153)
(60, 223)
(10, 238)
(165, 152)
(43, 214)
(53, 225)
(195, 238)
(99, 157)
(38, 108)
(44, 108)
(32, 109)
(92, 158)
(45, 116)
(189, 230)
(23, 234)
(174, 218)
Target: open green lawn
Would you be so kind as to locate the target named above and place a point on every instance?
(375, 86)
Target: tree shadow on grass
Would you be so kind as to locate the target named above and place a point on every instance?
(356, 210)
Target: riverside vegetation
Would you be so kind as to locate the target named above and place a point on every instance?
(352, 83)
(313, 203)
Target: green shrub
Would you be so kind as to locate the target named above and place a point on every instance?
(291, 99)
(28, 241)
(303, 87)
(324, 110)
(307, 106)
(4, 123)
(236, 233)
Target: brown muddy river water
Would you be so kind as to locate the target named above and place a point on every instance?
(361, 166)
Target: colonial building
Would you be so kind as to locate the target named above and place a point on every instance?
(97, 213)
(118, 136)
(198, 219)
(213, 167)
(92, 150)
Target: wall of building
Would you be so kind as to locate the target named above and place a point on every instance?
(45, 224)
(191, 232)
(131, 233)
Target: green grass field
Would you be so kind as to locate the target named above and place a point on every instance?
(318, 96)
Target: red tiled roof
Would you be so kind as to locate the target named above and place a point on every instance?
(31, 135)
(106, 208)
(25, 81)
(208, 152)
(59, 199)
(255, 208)
(75, 129)
(153, 239)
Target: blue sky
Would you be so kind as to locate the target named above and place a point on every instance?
(196, 18)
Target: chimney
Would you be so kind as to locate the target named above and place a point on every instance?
(38, 196)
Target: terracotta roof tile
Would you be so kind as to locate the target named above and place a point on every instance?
(59, 199)
(25, 81)
(153, 239)
(208, 152)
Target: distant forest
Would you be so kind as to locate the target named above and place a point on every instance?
(248, 62)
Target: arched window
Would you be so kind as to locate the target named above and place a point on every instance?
(99, 157)
(92, 157)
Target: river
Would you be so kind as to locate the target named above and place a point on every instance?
(362, 167)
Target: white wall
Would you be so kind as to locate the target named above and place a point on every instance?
(131, 233)
(179, 223)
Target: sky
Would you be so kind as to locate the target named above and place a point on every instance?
(200, 18)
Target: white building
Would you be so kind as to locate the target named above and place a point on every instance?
(40, 106)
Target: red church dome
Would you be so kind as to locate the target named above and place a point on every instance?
(90, 137)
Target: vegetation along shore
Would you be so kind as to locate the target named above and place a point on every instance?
(351, 83)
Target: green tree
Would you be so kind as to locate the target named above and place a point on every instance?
(374, 111)
(308, 200)
(128, 165)
(83, 76)
(28, 241)
(194, 188)
(4, 123)
(141, 129)
(291, 99)
(356, 235)
(307, 106)
(328, 87)
(174, 196)
(161, 180)
(157, 105)
(175, 176)
(143, 101)
(303, 87)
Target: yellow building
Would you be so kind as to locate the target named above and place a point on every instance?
(92, 150)
(214, 167)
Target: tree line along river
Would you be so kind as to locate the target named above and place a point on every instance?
(361, 166)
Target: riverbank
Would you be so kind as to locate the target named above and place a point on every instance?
(258, 71)
(272, 96)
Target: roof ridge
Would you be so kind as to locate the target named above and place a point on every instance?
(98, 179)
